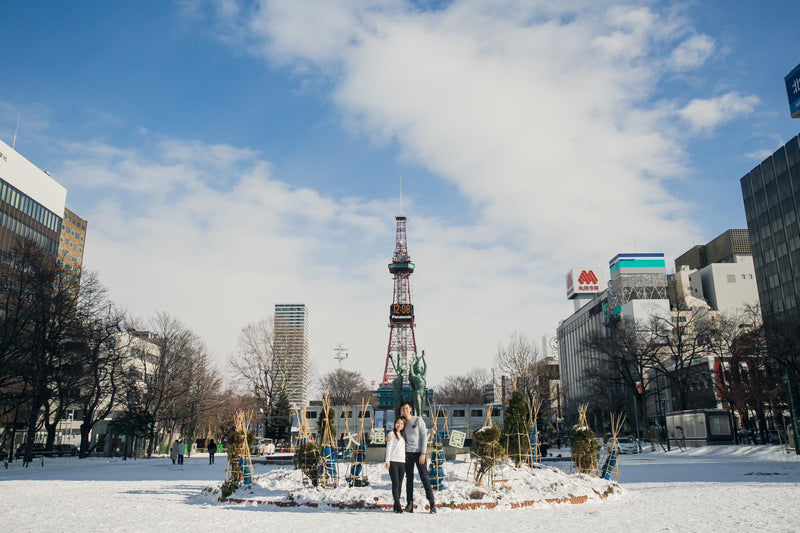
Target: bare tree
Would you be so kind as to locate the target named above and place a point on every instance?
(158, 383)
(684, 340)
(465, 389)
(629, 353)
(202, 385)
(41, 299)
(345, 387)
(520, 361)
(261, 362)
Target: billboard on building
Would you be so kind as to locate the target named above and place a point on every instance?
(583, 281)
(793, 91)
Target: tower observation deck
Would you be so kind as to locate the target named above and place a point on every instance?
(402, 341)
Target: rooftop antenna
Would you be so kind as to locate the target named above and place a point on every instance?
(339, 357)
(14, 142)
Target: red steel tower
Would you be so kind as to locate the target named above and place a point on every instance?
(402, 342)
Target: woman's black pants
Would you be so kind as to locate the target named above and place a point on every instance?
(396, 472)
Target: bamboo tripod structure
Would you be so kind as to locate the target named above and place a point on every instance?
(436, 471)
(304, 434)
(240, 464)
(495, 473)
(358, 466)
(307, 456)
(533, 422)
(610, 468)
(585, 463)
(330, 472)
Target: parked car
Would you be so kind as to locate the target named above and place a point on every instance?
(65, 450)
(627, 445)
(262, 446)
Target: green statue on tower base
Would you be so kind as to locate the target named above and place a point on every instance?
(416, 378)
(397, 385)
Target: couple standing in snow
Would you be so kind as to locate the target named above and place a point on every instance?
(406, 445)
(177, 452)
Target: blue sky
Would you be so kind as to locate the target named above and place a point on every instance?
(232, 155)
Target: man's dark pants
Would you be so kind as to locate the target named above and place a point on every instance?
(412, 458)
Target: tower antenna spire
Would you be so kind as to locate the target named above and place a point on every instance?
(401, 195)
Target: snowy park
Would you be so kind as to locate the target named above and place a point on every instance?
(722, 488)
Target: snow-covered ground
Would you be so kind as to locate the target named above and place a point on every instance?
(743, 488)
(513, 487)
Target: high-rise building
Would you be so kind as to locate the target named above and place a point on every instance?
(71, 241)
(723, 249)
(31, 203)
(771, 194)
(291, 350)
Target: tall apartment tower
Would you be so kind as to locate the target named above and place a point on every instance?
(771, 194)
(31, 203)
(291, 349)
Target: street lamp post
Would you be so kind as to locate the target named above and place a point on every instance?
(788, 383)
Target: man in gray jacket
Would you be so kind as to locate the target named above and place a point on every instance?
(416, 446)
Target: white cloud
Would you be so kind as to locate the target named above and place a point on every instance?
(759, 155)
(703, 115)
(692, 53)
(541, 114)
(221, 252)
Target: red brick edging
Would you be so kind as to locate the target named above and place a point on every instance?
(573, 500)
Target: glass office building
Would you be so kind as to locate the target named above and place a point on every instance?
(22, 216)
(771, 193)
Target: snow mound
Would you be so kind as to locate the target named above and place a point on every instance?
(523, 487)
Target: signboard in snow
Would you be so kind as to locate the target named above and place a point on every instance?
(457, 438)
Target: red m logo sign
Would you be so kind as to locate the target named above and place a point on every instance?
(587, 277)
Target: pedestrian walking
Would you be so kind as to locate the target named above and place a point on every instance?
(396, 460)
(173, 453)
(416, 446)
(212, 448)
(181, 451)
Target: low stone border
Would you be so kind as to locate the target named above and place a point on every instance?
(573, 500)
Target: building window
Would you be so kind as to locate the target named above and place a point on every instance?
(311, 414)
(460, 413)
(476, 412)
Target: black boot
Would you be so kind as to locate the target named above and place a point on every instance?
(409, 508)
(397, 507)
(432, 506)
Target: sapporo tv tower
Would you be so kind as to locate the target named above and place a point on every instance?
(402, 341)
